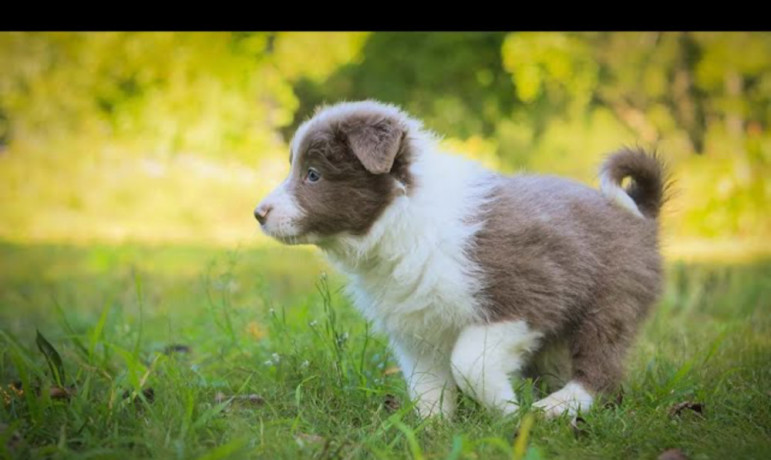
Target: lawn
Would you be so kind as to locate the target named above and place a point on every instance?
(190, 352)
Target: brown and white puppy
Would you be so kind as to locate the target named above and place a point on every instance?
(470, 273)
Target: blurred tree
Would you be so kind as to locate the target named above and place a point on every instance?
(147, 134)
(683, 92)
(84, 115)
(212, 94)
(454, 81)
(558, 102)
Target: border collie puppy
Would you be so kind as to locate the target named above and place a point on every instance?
(474, 275)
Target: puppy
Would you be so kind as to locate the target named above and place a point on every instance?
(473, 274)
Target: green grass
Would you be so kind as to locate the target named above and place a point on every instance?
(278, 365)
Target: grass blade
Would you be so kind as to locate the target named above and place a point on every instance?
(52, 358)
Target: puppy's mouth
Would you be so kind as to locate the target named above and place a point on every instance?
(285, 237)
(289, 239)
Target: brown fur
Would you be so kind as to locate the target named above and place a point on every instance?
(573, 265)
(358, 158)
(648, 184)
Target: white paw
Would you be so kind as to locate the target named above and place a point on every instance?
(572, 398)
(432, 408)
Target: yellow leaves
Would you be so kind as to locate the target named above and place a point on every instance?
(315, 55)
(539, 60)
(527, 78)
(743, 52)
(475, 147)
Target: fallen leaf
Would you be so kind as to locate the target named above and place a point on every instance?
(392, 370)
(678, 408)
(57, 392)
(391, 403)
(672, 454)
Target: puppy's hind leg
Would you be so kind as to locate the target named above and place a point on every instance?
(484, 356)
(597, 350)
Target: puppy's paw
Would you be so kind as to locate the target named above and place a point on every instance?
(572, 398)
(435, 409)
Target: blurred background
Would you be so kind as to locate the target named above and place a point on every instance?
(173, 138)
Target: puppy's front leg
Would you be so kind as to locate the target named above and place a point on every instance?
(429, 378)
(485, 355)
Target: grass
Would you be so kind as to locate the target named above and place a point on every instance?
(188, 352)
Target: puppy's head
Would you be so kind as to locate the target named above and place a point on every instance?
(348, 163)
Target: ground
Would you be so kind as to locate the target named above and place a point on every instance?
(191, 352)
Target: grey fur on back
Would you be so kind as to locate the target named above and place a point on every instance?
(561, 256)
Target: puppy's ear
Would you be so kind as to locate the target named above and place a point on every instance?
(374, 142)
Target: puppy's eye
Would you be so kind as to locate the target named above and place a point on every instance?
(313, 175)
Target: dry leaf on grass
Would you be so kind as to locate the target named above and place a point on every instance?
(679, 408)
(672, 454)
(57, 392)
(16, 391)
(391, 403)
(392, 370)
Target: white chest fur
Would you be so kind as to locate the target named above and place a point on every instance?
(411, 274)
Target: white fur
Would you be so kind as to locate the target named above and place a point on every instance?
(618, 195)
(429, 380)
(284, 212)
(572, 398)
(486, 354)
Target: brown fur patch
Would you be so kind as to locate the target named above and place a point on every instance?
(360, 157)
(560, 256)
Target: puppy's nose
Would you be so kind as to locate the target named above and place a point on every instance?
(261, 212)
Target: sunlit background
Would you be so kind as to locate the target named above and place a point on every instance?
(173, 138)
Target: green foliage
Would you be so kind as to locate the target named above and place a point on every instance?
(155, 136)
(246, 359)
(214, 94)
(453, 81)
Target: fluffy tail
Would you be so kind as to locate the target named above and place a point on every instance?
(645, 194)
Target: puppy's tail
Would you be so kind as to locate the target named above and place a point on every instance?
(645, 194)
